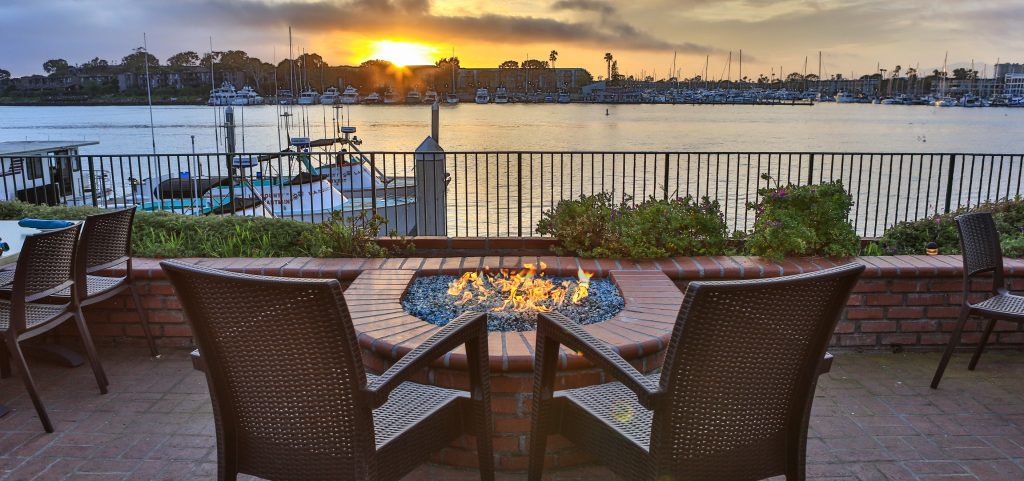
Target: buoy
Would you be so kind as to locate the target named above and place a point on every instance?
(606, 112)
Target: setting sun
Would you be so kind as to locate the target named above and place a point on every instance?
(402, 53)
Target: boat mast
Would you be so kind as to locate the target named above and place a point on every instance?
(213, 88)
(149, 93)
(741, 65)
(819, 72)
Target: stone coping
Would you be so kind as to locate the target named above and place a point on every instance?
(676, 268)
(641, 328)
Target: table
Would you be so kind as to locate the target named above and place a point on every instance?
(14, 235)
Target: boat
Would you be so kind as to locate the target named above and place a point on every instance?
(430, 97)
(389, 96)
(549, 99)
(309, 96)
(247, 96)
(351, 96)
(844, 97)
(563, 98)
(373, 98)
(48, 172)
(451, 98)
(482, 96)
(412, 97)
(285, 97)
(330, 96)
(501, 95)
(971, 100)
(223, 95)
(946, 102)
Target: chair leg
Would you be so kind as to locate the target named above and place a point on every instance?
(981, 344)
(30, 385)
(145, 322)
(544, 370)
(90, 351)
(953, 341)
(5, 362)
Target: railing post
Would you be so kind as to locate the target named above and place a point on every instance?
(92, 182)
(373, 183)
(949, 181)
(519, 196)
(431, 209)
(666, 175)
(810, 170)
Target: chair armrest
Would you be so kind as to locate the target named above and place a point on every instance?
(469, 328)
(826, 364)
(557, 327)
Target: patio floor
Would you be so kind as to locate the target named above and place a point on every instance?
(874, 419)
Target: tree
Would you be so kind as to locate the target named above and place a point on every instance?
(615, 70)
(794, 77)
(55, 66)
(94, 64)
(4, 75)
(509, 64)
(553, 57)
(608, 60)
(533, 63)
(210, 58)
(964, 74)
(183, 59)
(811, 77)
(137, 60)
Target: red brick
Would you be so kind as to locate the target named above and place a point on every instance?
(878, 326)
(944, 312)
(845, 327)
(864, 313)
(871, 286)
(852, 340)
(901, 339)
(904, 312)
(934, 338)
(1005, 326)
(883, 300)
(906, 285)
(926, 299)
(1011, 338)
(855, 300)
(918, 326)
(176, 331)
(512, 425)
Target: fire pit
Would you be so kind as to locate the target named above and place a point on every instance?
(512, 298)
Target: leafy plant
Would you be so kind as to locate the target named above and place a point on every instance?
(342, 237)
(594, 226)
(911, 237)
(806, 220)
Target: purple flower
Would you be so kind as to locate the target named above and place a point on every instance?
(780, 193)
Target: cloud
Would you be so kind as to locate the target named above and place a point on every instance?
(584, 6)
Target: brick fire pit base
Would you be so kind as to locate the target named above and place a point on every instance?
(640, 332)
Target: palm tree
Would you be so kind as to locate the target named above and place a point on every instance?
(608, 60)
(553, 56)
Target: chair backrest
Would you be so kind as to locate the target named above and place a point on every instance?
(979, 241)
(44, 268)
(742, 358)
(106, 242)
(284, 372)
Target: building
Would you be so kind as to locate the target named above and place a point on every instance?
(1013, 84)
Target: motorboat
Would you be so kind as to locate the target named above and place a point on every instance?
(451, 98)
(351, 96)
(247, 96)
(501, 95)
(373, 98)
(563, 98)
(482, 96)
(412, 97)
(285, 97)
(430, 97)
(389, 96)
(223, 95)
(330, 96)
(309, 96)
(845, 98)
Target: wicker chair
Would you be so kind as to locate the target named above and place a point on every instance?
(44, 268)
(106, 242)
(290, 397)
(979, 241)
(733, 399)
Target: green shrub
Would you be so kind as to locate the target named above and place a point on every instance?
(165, 234)
(1013, 246)
(594, 226)
(807, 220)
(911, 237)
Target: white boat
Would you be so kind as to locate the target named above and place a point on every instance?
(971, 100)
(285, 97)
(330, 96)
(247, 96)
(373, 98)
(946, 102)
(845, 98)
(451, 98)
(412, 97)
(482, 96)
(501, 95)
(430, 97)
(309, 96)
(223, 95)
(563, 98)
(351, 96)
(389, 96)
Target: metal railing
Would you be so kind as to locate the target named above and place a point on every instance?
(501, 194)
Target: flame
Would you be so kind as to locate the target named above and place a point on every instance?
(526, 289)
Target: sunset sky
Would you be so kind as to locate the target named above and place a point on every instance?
(854, 35)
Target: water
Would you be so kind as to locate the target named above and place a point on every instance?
(550, 127)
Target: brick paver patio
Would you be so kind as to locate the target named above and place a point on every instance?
(874, 419)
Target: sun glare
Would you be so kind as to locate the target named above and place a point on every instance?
(402, 53)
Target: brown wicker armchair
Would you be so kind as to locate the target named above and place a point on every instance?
(733, 399)
(290, 397)
(44, 268)
(979, 241)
